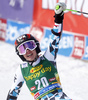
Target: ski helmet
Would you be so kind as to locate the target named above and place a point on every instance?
(22, 39)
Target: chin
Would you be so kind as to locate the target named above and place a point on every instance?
(30, 60)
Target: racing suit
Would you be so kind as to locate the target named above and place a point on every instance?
(41, 77)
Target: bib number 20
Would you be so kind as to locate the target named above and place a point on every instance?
(43, 81)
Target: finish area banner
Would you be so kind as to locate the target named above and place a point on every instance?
(73, 21)
(74, 41)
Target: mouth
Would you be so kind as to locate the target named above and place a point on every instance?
(29, 55)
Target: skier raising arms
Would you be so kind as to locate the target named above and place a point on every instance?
(39, 72)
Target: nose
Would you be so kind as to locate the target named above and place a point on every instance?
(28, 51)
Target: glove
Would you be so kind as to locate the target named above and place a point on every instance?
(59, 7)
(59, 15)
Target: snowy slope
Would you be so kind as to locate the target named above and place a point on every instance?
(73, 74)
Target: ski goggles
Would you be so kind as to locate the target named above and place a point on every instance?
(31, 45)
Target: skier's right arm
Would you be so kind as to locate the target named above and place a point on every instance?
(16, 87)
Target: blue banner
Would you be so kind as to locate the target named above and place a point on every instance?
(66, 44)
(15, 29)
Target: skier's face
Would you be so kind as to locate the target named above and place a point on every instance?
(30, 55)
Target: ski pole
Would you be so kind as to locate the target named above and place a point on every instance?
(76, 11)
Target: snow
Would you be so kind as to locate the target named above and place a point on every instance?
(73, 74)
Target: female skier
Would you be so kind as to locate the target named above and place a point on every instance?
(39, 72)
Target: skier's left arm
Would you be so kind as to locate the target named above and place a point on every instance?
(52, 50)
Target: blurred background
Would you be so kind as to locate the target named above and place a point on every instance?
(18, 17)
